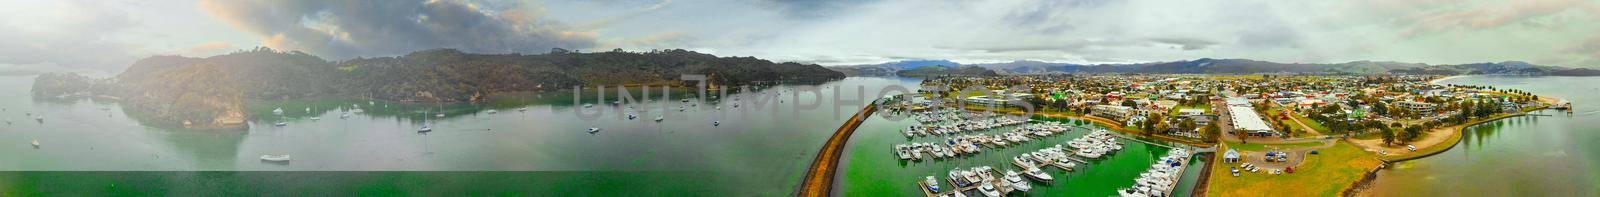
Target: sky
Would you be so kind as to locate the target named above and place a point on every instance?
(111, 34)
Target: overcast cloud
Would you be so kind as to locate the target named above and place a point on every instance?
(1552, 32)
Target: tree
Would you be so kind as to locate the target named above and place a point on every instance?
(1388, 136)
(1210, 132)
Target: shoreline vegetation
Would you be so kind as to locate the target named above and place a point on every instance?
(211, 92)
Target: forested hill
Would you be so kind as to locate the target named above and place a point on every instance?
(451, 75)
(212, 90)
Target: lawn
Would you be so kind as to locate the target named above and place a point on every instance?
(1326, 174)
(1311, 123)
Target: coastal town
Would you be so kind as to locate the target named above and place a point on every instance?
(1321, 135)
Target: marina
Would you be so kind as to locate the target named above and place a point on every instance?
(1050, 157)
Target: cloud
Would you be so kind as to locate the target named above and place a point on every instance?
(207, 49)
(1479, 17)
(75, 34)
(345, 29)
(1186, 43)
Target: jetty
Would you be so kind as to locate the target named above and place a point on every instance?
(819, 177)
(999, 184)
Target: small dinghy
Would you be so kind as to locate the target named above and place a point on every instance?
(275, 158)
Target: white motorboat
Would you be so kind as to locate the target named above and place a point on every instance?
(1020, 186)
(523, 109)
(716, 123)
(345, 115)
(1038, 175)
(659, 118)
(594, 129)
(586, 105)
(316, 118)
(280, 123)
(275, 158)
(631, 116)
(425, 128)
(1013, 176)
(35, 144)
(933, 184)
(1130, 192)
(278, 111)
(989, 190)
(492, 111)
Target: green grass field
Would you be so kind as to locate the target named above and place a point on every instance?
(1325, 174)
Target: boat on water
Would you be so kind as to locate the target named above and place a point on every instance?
(492, 111)
(659, 118)
(586, 105)
(1037, 175)
(280, 123)
(1130, 192)
(278, 111)
(716, 123)
(35, 144)
(523, 109)
(593, 130)
(438, 115)
(425, 128)
(989, 190)
(275, 158)
(1015, 180)
(933, 184)
(345, 115)
(39, 118)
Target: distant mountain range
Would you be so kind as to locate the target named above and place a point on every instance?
(1242, 66)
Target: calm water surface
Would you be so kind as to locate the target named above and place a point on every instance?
(1556, 155)
(757, 152)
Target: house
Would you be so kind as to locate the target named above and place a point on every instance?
(1191, 111)
(1419, 107)
(1232, 156)
(1115, 112)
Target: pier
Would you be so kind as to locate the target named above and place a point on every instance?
(999, 185)
(819, 177)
